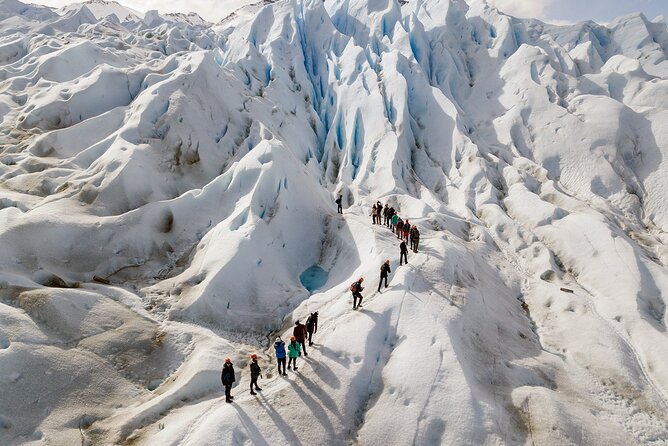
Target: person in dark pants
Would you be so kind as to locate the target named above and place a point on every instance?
(390, 214)
(279, 345)
(373, 215)
(379, 213)
(386, 213)
(227, 377)
(339, 202)
(415, 238)
(312, 326)
(293, 352)
(384, 271)
(403, 256)
(357, 288)
(255, 374)
(399, 227)
(299, 333)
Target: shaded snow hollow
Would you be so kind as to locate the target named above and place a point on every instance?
(165, 184)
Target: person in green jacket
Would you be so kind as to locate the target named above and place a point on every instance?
(293, 352)
(393, 222)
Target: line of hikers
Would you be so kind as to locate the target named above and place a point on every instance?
(300, 334)
(388, 216)
(404, 231)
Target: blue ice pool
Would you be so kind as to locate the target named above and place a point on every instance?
(314, 278)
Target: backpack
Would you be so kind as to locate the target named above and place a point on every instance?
(353, 287)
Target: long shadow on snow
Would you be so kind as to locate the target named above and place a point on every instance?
(254, 433)
(325, 373)
(316, 409)
(283, 426)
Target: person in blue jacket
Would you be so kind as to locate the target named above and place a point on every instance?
(281, 355)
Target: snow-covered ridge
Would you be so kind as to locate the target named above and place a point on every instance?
(164, 183)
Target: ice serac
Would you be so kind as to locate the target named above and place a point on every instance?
(165, 183)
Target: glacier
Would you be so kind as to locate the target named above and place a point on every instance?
(166, 182)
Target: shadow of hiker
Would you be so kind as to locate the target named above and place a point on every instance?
(335, 356)
(326, 374)
(281, 424)
(321, 394)
(254, 433)
(318, 412)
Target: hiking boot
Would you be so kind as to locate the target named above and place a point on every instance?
(258, 389)
(228, 401)
(253, 393)
(285, 374)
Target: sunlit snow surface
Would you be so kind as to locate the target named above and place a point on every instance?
(192, 169)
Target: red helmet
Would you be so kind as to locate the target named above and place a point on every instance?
(253, 356)
(228, 360)
(292, 338)
(361, 279)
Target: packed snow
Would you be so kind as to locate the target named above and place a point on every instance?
(167, 192)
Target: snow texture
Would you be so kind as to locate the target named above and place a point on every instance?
(167, 189)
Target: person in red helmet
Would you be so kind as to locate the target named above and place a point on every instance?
(227, 377)
(357, 288)
(256, 372)
(293, 352)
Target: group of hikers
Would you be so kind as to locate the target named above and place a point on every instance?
(300, 335)
(385, 215)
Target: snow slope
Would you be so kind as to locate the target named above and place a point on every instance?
(192, 169)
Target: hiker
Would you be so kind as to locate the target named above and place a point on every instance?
(415, 238)
(227, 377)
(312, 326)
(373, 215)
(279, 345)
(394, 221)
(386, 212)
(293, 352)
(357, 288)
(390, 215)
(379, 213)
(399, 227)
(255, 374)
(407, 228)
(299, 333)
(384, 271)
(338, 204)
(403, 253)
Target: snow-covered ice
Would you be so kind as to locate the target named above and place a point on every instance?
(167, 192)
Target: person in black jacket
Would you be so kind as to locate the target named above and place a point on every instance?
(299, 332)
(312, 326)
(227, 377)
(339, 205)
(255, 374)
(384, 271)
(357, 288)
(403, 253)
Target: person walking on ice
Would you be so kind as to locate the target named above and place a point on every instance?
(407, 229)
(373, 215)
(415, 238)
(339, 206)
(299, 333)
(384, 271)
(393, 221)
(312, 326)
(256, 372)
(279, 345)
(403, 253)
(357, 288)
(386, 213)
(227, 377)
(293, 352)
